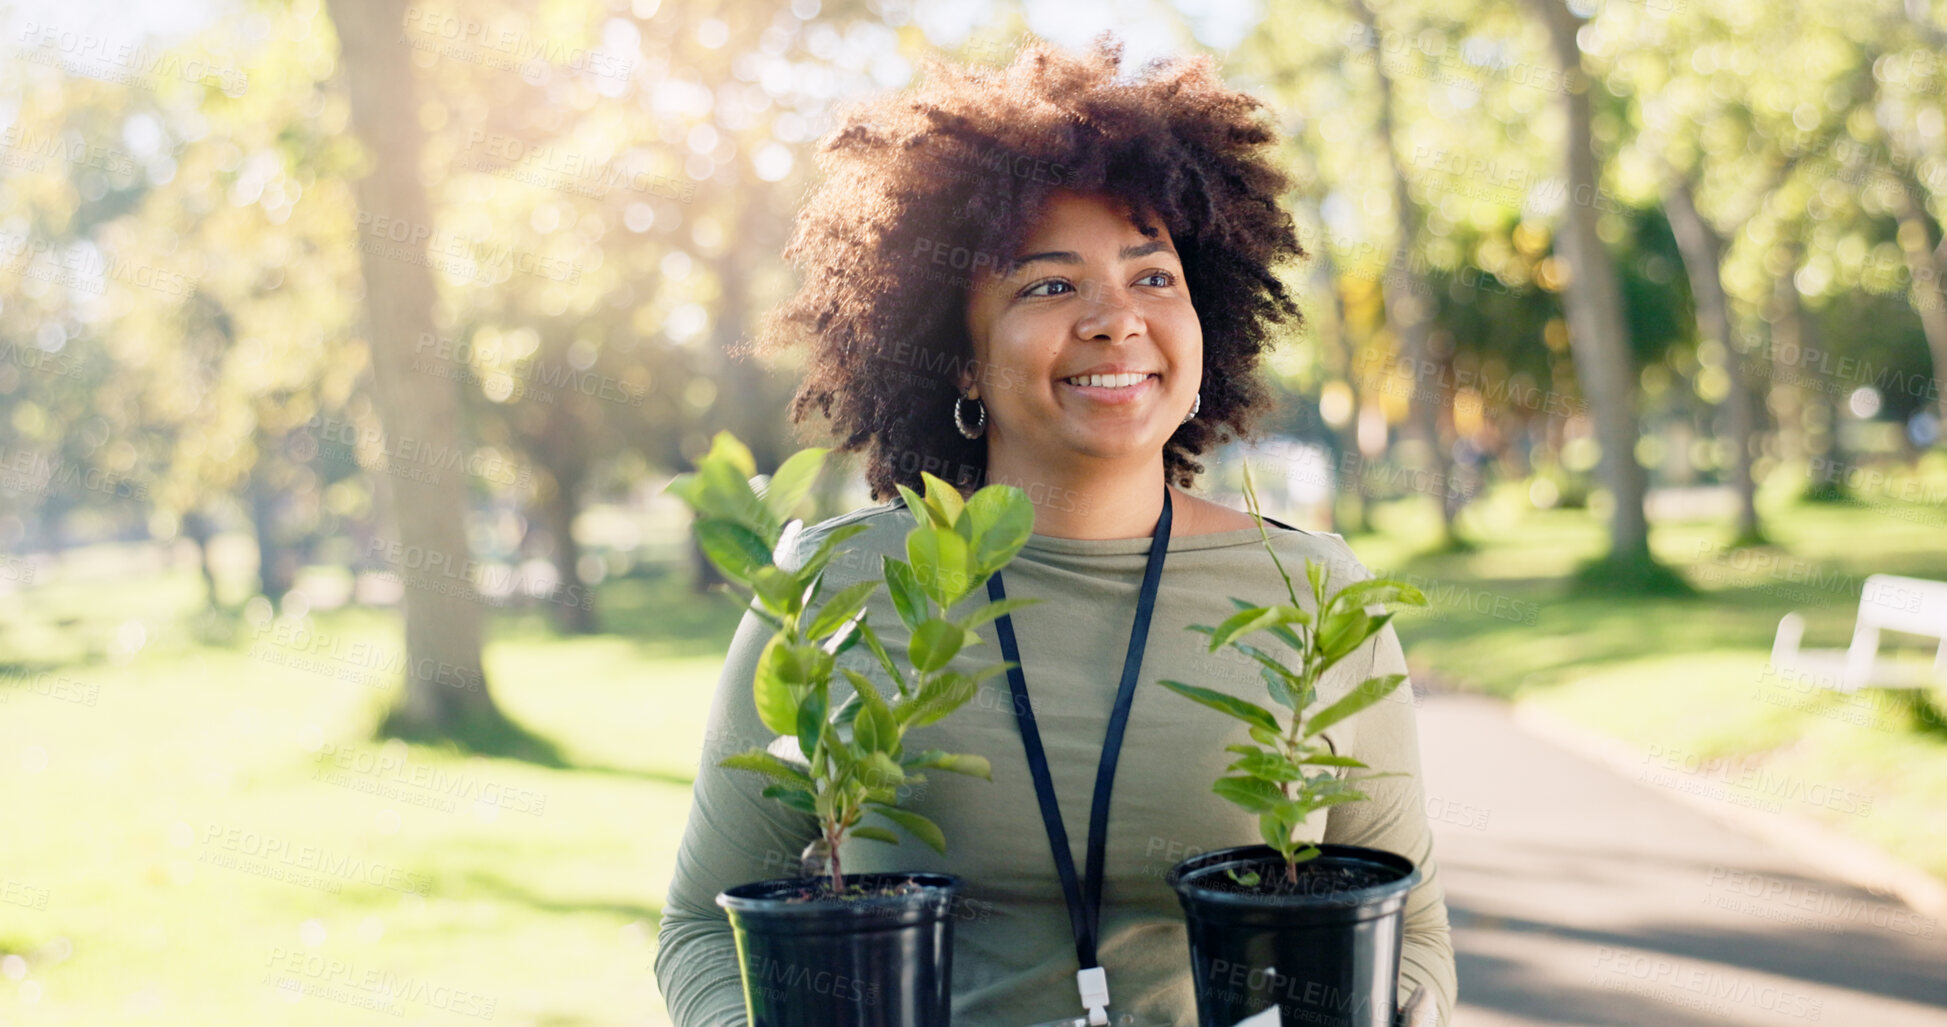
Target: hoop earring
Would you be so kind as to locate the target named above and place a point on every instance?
(1194, 407)
(960, 418)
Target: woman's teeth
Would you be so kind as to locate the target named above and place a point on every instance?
(1106, 381)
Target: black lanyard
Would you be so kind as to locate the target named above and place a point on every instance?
(1085, 907)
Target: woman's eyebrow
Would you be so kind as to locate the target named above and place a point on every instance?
(1071, 257)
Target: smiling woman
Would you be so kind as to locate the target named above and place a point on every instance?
(1059, 278)
(941, 206)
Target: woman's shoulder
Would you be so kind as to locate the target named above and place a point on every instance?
(882, 528)
(1296, 545)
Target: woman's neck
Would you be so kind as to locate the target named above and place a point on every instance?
(1103, 501)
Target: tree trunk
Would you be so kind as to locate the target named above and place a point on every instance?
(446, 693)
(1928, 290)
(1703, 260)
(1408, 298)
(1791, 332)
(273, 571)
(1598, 335)
(574, 607)
(197, 528)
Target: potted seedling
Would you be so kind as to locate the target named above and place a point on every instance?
(1313, 930)
(831, 949)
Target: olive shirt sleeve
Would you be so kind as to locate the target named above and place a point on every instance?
(734, 836)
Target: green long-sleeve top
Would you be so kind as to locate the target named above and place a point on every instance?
(1014, 955)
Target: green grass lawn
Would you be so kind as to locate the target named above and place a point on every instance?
(203, 834)
(198, 831)
(1689, 676)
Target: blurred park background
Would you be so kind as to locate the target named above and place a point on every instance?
(353, 663)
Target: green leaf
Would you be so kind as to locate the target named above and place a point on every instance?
(993, 610)
(1329, 760)
(919, 827)
(848, 711)
(992, 670)
(1248, 879)
(1267, 766)
(1244, 710)
(1274, 683)
(877, 730)
(865, 731)
(923, 512)
(1361, 594)
(1275, 830)
(1239, 623)
(934, 644)
(940, 696)
(793, 798)
(1283, 683)
(879, 653)
(879, 771)
(732, 548)
(934, 759)
(1370, 691)
(1254, 794)
(874, 834)
(759, 761)
(688, 487)
(841, 608)
(1348, 630)
(1319, 576)
(792, 481)
(1335, 799)
(779, 674)
(1245, 621)
(939, 559)
(1002, 517)
(1264, 736)
(1282, 632)
(944, 498)
(727, 448)
(811, 719)
(778, 589)
(903, 586)
(727, 495)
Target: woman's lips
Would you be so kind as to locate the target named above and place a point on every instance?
(1104, 394)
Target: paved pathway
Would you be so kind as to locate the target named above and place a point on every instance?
(1580, 896)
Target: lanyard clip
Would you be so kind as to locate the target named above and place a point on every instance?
(1093, 983)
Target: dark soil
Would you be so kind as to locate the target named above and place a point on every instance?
(820, 890)
(1321, 876)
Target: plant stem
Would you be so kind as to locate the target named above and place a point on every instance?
(832, 838)
(1250, 496)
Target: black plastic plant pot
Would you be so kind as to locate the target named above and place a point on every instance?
(878, 960)
(1325, 952)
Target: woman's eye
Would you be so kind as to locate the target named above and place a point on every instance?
(1049, 284)
(1167, 278)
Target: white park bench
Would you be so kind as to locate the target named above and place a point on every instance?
(1888, 603)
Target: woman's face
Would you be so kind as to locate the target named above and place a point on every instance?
(1087, 295)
